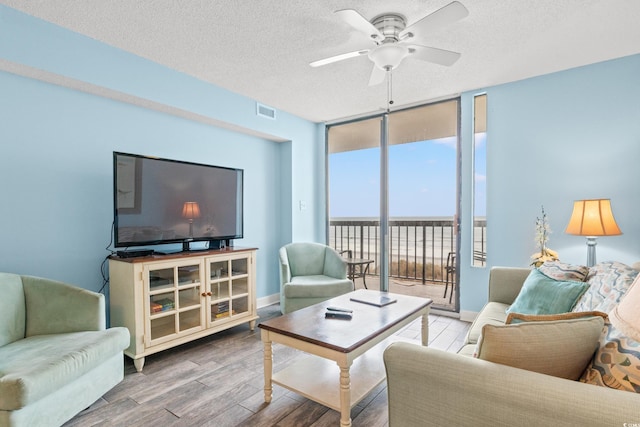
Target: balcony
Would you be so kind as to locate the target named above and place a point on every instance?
(418, 253)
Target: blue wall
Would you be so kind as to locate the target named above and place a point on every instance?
(56, 145)
(552, 140)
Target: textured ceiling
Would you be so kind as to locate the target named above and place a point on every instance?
(262, 49)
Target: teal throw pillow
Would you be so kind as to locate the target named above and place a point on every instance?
(543, 295)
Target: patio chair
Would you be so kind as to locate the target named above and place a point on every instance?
(480, 256)
(450, 275)
(310, 273)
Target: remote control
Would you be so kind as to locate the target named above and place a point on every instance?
(340, 309)
(337, 315)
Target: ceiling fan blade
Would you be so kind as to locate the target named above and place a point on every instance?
(446, 15)
(360, 23)
(377, 76)
(337, 58)
(431, 54)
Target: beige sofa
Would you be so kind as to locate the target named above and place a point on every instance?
(429, 387)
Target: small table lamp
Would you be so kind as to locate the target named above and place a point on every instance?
(592, 218)
(191, 210)
(626, 316)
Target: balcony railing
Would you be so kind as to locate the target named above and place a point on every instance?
(418, 249)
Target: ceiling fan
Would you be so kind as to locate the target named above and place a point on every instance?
(392, 38)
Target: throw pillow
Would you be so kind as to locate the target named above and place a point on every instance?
(519, 317)
(563, 271)
(560, 348)
(543, 295)
(608, 282)
(616, 363)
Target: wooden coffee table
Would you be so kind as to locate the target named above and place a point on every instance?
(352, 345)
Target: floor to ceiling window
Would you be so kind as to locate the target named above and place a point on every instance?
(421, 163)
(479, 234)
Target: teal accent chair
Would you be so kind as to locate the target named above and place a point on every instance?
(310, 273)
(56, 355)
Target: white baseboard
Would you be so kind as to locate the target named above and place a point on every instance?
(445, 313)
(468, 316)
(268, 300)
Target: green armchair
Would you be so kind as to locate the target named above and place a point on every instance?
(310, 273)
(56, 355)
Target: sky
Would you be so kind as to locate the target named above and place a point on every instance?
(422, 180)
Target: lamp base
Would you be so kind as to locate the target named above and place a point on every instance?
(591, 251)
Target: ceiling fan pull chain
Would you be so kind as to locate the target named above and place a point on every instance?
(389, 89)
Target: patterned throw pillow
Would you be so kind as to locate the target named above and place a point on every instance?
(616, 363)
(562, 271)
(608, 282)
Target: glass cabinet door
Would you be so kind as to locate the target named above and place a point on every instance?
(240, 286)
(174, 294)
(219, 279)
(228, 286)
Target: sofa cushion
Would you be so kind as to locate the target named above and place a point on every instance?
(562, 271)
(12, 309)
(519, 317)
(316, 286)
(616, 363)
(468, 350)
(37, 366)
(543, 295)
(494, 313)
(608, 282)
(560, 348)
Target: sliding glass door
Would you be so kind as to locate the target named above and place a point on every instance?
(395, 200)
(353, 174)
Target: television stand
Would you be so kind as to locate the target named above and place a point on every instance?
(168, 300)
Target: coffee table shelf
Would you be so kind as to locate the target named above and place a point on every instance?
(344, 361)
(318, 379)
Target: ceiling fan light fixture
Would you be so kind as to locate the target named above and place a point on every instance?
(388, 56)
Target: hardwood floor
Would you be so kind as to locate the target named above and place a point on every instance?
(218, 381)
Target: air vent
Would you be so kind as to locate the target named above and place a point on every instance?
(264, 111)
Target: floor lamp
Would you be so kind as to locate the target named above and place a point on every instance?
(592, 218)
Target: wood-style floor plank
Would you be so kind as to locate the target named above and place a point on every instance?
(218, 381)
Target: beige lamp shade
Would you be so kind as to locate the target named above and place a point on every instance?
(592, 218)
(191, 210)
(626, 315)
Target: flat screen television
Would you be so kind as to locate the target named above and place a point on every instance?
(158, 201)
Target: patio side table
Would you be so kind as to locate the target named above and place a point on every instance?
(357, 267)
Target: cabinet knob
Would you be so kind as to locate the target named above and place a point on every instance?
(204, 294)
(209, 293)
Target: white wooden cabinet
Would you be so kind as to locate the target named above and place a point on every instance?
(167, 300)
